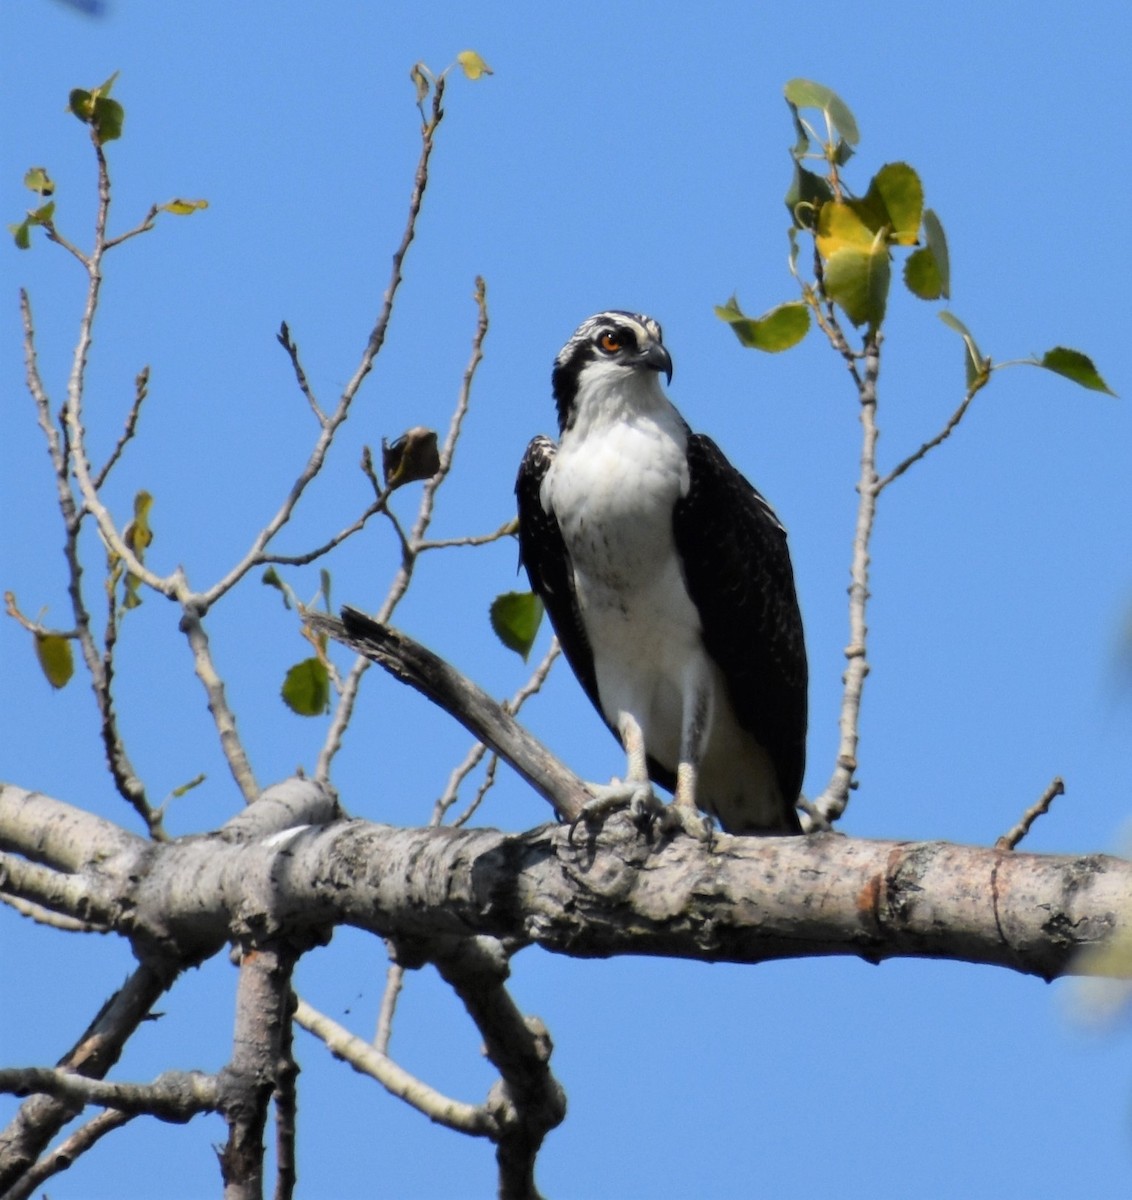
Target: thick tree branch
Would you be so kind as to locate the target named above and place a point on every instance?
(740, 900)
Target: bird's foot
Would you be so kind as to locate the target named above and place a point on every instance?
(646, 809)
(687, 820)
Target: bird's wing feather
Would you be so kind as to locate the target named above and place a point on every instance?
(738, 574)
(543, 553)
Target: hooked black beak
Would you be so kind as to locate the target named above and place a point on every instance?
(657, 357)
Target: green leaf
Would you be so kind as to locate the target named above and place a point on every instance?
(55, 658)
(805, 196)
(515, 617)
(324, 586)
(1076, 366)
(96, 109)
(858, 281)
(21, 234)
(107, 119)
(921, 275)
(806, 93)
(776, 330)
(37, 180)
(306, 688)
(80, 103)
(937, 243)
(896, 193)
(977, 366)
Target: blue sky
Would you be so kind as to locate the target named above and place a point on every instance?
(620, 156)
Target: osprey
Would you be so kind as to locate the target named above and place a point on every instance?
(668, 581)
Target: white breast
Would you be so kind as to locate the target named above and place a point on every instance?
(612, 487)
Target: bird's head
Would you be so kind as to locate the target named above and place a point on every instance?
(613, 352)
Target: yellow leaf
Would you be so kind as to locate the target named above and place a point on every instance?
(55, 658)
(473, 65)
(138, 534)
(183, 208)
(840, 227)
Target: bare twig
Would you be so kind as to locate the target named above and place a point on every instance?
(141, 390)
(285, 340)
(359, 1054)
(97, 1050)
(302, 560)
(475, 755)
(1009, 841)
(409, 543)
(254, 556)
(45, 916)
(973, 389)
(286, 1109)
(394, 981)
(222, 714)
(98, 664)
(832, 802)
(64, 1155)
(481, 539)
(143, 226)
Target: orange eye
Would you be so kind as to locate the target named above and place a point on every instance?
(609, 343)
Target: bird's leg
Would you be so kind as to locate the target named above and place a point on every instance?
(683, 812)
(634, 792)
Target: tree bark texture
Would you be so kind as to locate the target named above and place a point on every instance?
(292, 871)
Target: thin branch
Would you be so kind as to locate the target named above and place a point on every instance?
(286, 1108)
(972, 390)
(44, 916)
(471, 706)
(481, 539)
(409, 543)
(832, 802)
(97, 1050)
(1010, 841)
(172, 1096)
(141, 390)
(143, 226)
(285, 340)
(302, 560)
(222, 714)
(394, 981)
(364, 1058)
(475, 754)
(65, 1154)
(254, 555)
